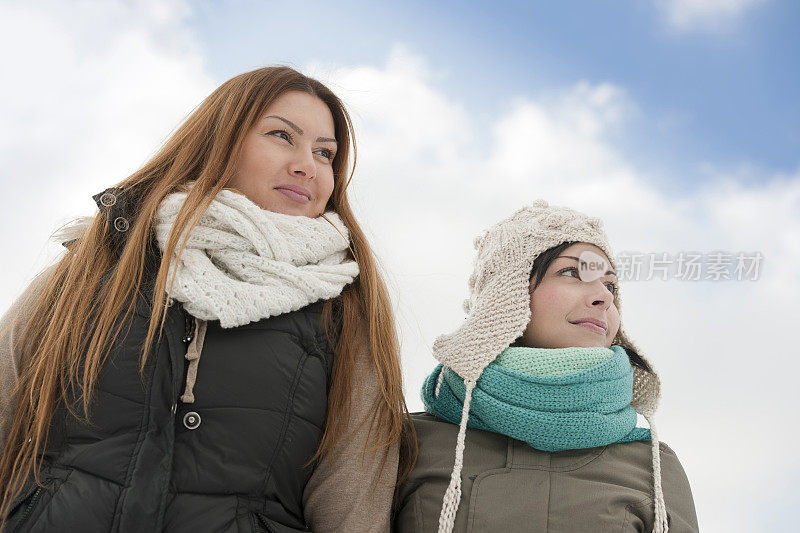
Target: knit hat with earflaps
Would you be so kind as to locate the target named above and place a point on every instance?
(498, 311)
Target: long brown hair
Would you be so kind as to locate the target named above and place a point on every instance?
(90, 286)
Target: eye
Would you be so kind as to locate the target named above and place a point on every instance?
(612, 287)
(326, 153)
(281, 134)
(571, 270)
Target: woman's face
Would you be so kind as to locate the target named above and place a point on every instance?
(562, 304)
(286, 165)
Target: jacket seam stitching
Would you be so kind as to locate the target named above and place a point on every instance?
(418, 512)
(557, 469)
(475, 488)
(549, 492)
(93, 474)
(136, 449)
(566, 468)
(175, 382)
(286, 417)
(627, 517)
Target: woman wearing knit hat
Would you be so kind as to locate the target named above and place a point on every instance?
(538, 393)
(200, 359)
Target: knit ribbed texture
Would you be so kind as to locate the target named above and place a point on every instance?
(586, 408)
(242, 263)
(552, 361)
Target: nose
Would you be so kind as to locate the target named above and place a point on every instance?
(303, 166)
(598, 296)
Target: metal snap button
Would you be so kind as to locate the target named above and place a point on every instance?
(191, 420)
(121, 224)
(108, 199)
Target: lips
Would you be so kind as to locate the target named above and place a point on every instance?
(295, 193)
(598, 326)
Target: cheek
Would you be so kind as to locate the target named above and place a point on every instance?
(326, 184)
(547, 296)
(613, 316)
(248, 165)
(547, 302)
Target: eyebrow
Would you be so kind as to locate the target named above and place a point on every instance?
(299, 131)
(578, 260)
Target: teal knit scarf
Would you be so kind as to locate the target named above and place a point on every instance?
(553, 399)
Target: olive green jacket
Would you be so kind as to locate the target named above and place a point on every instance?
(507, 486)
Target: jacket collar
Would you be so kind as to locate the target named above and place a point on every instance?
(121, 206)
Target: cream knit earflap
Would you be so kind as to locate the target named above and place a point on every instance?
(499, 311)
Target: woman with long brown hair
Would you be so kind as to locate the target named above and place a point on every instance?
(216, 350)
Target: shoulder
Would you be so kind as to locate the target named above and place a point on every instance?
(20, 310)
(673, 475)
(641, 453)
(634, 461)
(12, 325)
(430, 428)
(437, 440)
(434, 430)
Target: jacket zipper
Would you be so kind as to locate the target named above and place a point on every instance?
(188, 330)
(188, 335)
(260, 523)
(31, 504)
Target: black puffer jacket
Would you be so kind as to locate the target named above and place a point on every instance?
(234, 460)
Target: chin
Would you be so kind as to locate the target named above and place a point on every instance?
(293, 210)
(589, 343)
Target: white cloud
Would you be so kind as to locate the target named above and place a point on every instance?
(91, 89)
(706, 15)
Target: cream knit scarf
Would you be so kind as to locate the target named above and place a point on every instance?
(242, 263)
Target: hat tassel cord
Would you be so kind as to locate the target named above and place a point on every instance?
(452, 497)
(660, 524)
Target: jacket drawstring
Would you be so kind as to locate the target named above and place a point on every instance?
(193, 356)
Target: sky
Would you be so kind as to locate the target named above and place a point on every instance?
(675, 121)
(716, 83)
